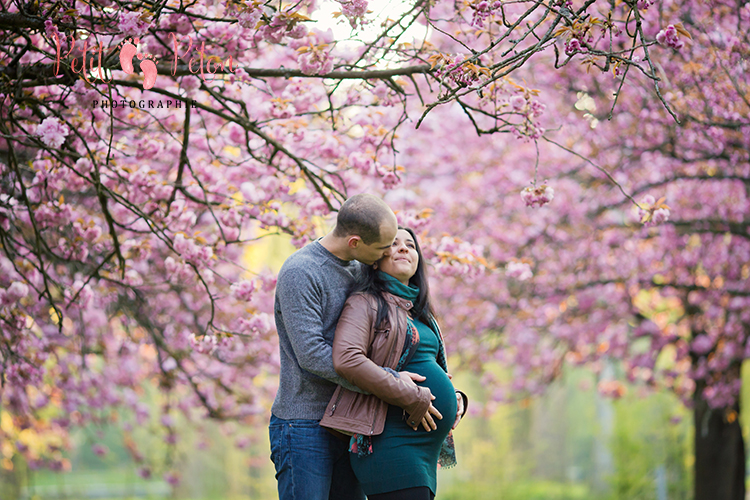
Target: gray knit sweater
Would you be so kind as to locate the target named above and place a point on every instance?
(312, 286)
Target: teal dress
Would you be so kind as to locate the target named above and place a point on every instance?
(402, 457)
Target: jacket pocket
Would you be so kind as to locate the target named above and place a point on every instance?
(379, 340)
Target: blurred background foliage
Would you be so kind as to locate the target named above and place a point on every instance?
(570, 443)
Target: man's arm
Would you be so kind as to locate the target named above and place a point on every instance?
(300, 300)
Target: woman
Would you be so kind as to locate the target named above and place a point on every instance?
(386, 334)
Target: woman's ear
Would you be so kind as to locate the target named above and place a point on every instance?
(375, 266)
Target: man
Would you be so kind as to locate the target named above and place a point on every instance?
(313, 284)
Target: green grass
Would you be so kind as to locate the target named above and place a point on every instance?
(118, 484)
(521, 490)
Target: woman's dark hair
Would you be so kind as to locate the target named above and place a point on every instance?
(373, 284)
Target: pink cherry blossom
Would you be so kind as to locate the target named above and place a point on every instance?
(660, 215)
(315, 61)
(572, 46)
(243, 290)
(668, 37)
(518, 270)
(354, 10)
(16, 291)
(702, 344)
(133, 23)
(537, 196)
(249, 16)
(518, 102)
(482, 10)
(52, 132)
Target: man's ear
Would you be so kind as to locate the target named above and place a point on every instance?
(353, 241)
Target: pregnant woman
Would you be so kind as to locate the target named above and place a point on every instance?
(386, 338)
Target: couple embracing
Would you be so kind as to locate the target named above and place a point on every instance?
(365, 403)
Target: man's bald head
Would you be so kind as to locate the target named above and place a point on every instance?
(364, 215)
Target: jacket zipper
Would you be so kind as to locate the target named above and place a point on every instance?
(393, 346)
(333, 408)
(390, 355)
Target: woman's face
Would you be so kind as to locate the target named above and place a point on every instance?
(400, 261)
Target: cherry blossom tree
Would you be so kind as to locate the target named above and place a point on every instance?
(143, 143)
(633, 251)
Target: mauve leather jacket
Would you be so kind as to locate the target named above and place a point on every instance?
(359, 353)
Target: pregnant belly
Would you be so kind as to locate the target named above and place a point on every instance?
(441, 387)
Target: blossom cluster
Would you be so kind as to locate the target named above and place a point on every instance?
(578, 37)
(645, 4)
(568, 4)
(668, 37)
(52, 132)
(413, 219)
(243, 290)
(482, 10)
(537, 195)
(315, 59)
(285, 23)
(54, 35)
(456, 257)
(249, 14)
(530, 109)
(518, 270)
(134, 24)
(653, 212)
(354, 11)
(457, 69)
(576, 44)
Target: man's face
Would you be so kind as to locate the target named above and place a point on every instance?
(369, 254)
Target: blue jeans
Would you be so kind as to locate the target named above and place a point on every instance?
(311, 463)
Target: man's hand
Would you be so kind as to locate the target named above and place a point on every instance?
(459, 409)
(410, 378)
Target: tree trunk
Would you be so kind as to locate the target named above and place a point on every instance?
(719, 451)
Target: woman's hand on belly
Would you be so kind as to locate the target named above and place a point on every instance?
(428, 421)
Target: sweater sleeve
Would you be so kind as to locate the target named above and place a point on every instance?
(300, 300)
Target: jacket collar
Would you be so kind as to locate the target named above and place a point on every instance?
(398, 301)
